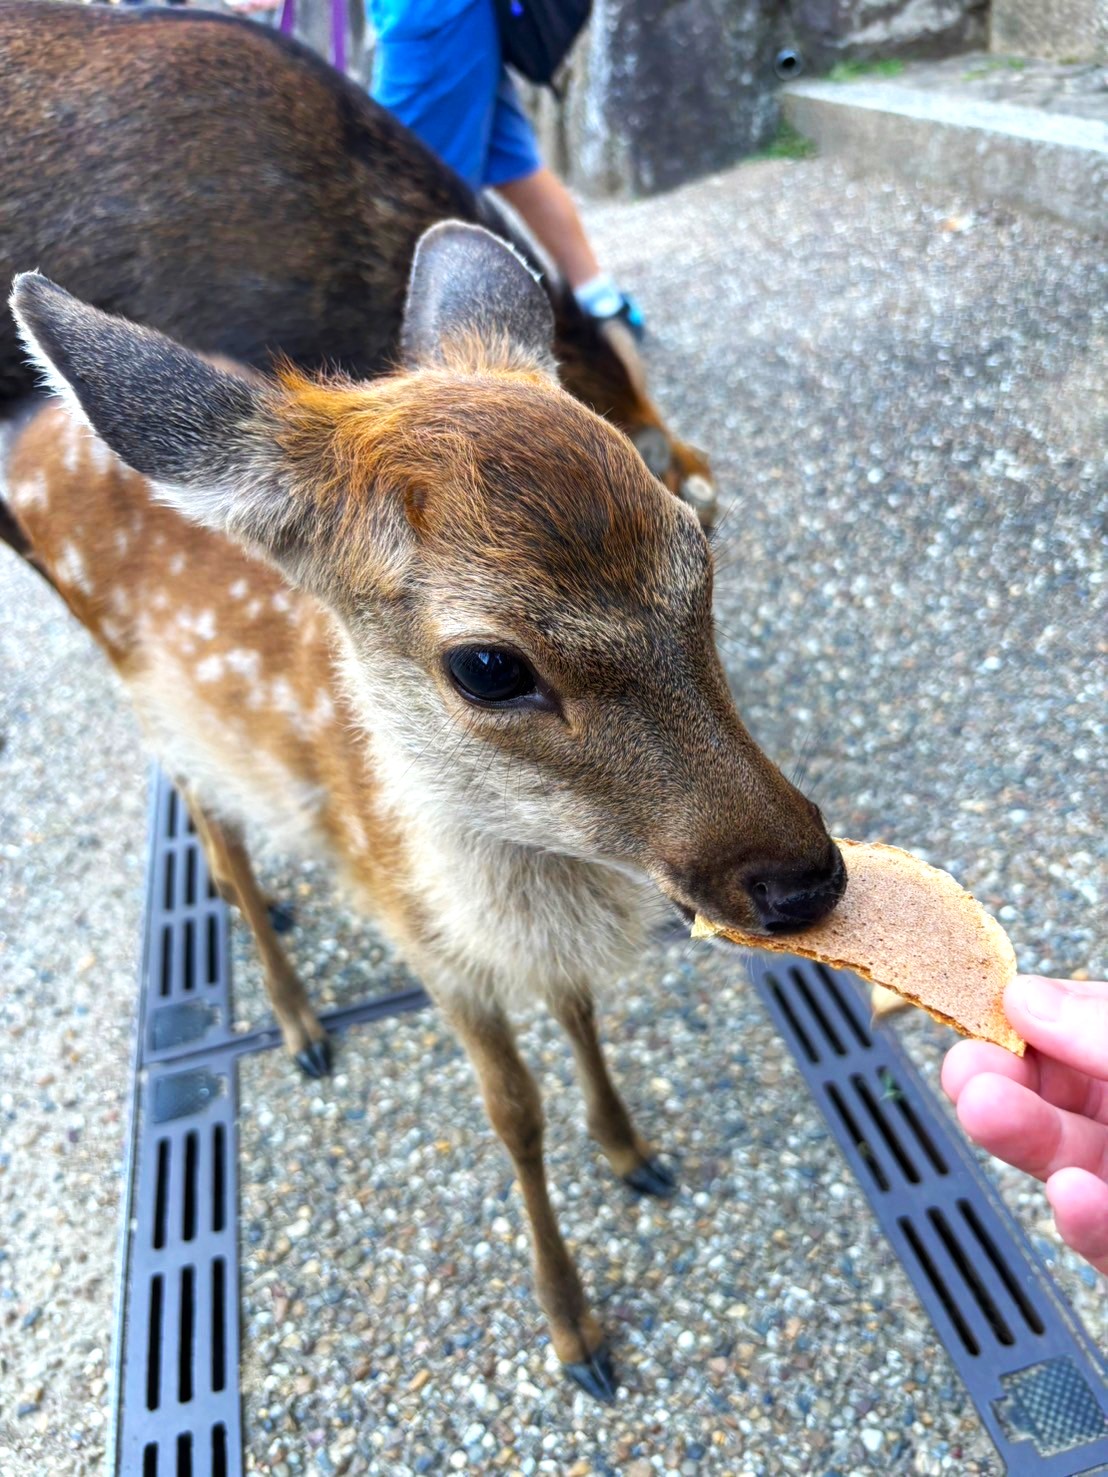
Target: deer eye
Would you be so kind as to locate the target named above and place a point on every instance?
(489, 674)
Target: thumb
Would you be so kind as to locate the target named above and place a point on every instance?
(1069, 1023)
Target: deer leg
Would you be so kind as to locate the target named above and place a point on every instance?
(515, 1110)
(609, 1122)
(305, 1039)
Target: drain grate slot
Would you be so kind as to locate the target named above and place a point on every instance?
(1003, 1270)
(861, 1143)
(161, 1194)
(970, 1276)
(798, 1032)
(154, 1345)
(911, 1118)
(826, 1030)
(941, 1289)
(845, 1001)
(219, 1451)
(186, 1337)
(1013, 1339)
(188, 1210)
(885, 1129)
(219, 1177)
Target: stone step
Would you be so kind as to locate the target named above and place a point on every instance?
(1032, 134)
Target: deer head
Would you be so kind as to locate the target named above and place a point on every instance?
(525, 614)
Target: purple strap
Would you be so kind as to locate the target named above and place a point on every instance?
(338, 29)
(338, 34)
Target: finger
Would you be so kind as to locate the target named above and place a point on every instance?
(968, 1059)
(1053, 1081)
(1069, 1025)
(1018, 1126)
(1080, 1204)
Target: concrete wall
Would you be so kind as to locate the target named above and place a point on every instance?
(657, 92)
(1066, 30)
(836, 30)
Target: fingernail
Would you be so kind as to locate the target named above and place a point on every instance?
(1042, 999)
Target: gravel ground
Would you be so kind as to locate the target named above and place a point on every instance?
(905, 397)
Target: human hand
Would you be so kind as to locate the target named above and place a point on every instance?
(1046, 1112)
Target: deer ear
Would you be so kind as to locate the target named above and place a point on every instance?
(194, 430)
(469, 288)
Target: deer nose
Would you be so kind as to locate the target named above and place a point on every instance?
(786, 901)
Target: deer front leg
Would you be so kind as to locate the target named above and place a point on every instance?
(609, 1122)
(305, 1039)
(514, 1107)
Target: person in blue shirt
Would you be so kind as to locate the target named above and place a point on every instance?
(438, 68)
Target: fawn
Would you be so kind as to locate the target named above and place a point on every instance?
(239, 194)
(444, 628)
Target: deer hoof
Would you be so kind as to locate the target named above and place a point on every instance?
(282, 917)
(595, 1375)
(651, 1177)
(315, 1059)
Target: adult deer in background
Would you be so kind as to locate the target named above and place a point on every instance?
(218, 181)
(443, 628)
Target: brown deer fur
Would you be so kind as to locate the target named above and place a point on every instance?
(213, 179)
(278, 597)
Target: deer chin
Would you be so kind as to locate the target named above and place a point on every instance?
(689, 907)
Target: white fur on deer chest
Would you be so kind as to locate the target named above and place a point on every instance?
(518, 925)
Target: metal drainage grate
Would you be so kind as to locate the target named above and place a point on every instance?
(1031, 1370)
(177, 1404)
(1027, 1363)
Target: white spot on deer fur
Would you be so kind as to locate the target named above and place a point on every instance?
(112, 631)
(71, 569)
(245, 662)
(210, 669)
(118, 601)
(285, 700)
(281, 601)
(177, 564)
(30, 492)
(283, 697)
(122, 542)
(201, 624)
(238, 589)
(356, 833)
(160, 601)
(254, 610)
(322, 711)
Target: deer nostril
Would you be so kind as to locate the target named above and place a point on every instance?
(795, 899)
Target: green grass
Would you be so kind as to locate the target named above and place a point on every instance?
(995, 64)
(852, 71)
(786, 143)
